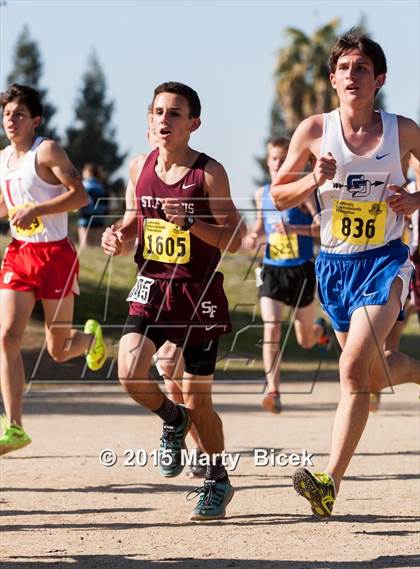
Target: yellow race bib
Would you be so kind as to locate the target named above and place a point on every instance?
(165, 242)
(359, 223)
(283, 247)
(36, 226)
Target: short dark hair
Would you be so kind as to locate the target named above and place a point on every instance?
(180, 89)
(94, 170)
(352, 40)
(26, 96)
(278, 142)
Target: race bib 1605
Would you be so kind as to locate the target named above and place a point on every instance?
(165, 242)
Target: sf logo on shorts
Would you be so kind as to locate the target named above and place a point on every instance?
(208, 308)
(141, 290)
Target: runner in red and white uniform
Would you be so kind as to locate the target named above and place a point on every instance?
(39, 185)
(184, 215)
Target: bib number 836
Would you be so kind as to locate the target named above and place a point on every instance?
(359, 227)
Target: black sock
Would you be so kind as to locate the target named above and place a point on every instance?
(216, 471)
(169, 412)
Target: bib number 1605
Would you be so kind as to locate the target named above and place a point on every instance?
(168, 246)
(165, 242)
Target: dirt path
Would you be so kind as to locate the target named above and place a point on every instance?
(62, 508)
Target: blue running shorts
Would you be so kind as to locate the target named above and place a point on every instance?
(347, 282)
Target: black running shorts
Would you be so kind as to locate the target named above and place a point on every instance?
(294, 286)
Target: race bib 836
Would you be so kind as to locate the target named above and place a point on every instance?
(359, 223)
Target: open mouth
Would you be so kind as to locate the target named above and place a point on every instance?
(164, 131)
(352, 88)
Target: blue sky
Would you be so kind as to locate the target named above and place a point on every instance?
(226, 50)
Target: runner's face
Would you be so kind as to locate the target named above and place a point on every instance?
(18, 124)
(275, 158)
(354, 78)
(171, 120)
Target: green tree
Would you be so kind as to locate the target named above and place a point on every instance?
(302, 74)
(27, 70)
(93, 137)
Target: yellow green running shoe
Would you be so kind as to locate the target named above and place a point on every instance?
(96, 355)
(317, 488)
(13, 437)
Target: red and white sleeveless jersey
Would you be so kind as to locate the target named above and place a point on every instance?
(22, 186)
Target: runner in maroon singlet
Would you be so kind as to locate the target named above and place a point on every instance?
(183, 216)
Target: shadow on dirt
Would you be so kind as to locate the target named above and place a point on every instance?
(132, 561)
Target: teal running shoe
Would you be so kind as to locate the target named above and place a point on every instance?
(172, 443)
(213, 498)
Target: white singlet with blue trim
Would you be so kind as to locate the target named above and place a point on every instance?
(354, 214)
(22, 186)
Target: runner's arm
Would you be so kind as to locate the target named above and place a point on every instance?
(291, 187)
(257, 231)
(401, 201)
(230, 226)
(313, 230)
(54, 159)
(120, 240)
(3, 208)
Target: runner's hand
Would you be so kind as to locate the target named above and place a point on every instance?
(325, 169)
(174, 211)
(250, 240)
(111, 241)
(401, 201)
(282, 228)
(24, 217)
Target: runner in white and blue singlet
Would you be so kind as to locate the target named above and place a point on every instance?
(363, 268)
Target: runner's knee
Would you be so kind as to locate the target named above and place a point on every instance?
(304, 341)
(11, 341)
(57, 354)
(198, 403)
(272, 331)
(133, 380)
(354, 376)
(56, 345)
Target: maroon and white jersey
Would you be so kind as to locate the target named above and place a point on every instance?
(164, 250)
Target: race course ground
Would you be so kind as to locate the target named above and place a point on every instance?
(62, 508)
